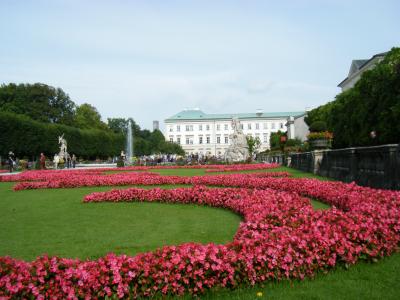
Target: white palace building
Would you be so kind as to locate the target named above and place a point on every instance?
(201, 133)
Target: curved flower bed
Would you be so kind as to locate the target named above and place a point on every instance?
(67, 180)
(281, 237)
(47, 175)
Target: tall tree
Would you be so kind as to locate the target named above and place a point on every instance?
(120, 125)
(87, 117)
(38, 101)
(253, 143)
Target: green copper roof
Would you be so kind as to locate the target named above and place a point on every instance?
(199, 115)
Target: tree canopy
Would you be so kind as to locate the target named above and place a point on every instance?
(34, 107)
(87, 117)
(38, 101)
(372, 105)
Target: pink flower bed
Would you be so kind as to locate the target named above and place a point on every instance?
(281, 236)
(47, 175)
(67, 180)
(43, 175)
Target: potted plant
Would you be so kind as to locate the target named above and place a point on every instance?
(319, 137)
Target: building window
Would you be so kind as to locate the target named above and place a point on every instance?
(218, 140)
(171, 139)
(265, 138)
(208, 140)
(171, 128)
(200, 140)
(226, 139)
(281, 125)
(218, 127)
(178, 140)
(257, 126)
(178, 128)
(241, 126)
(187, 141)
(272, 125)
(265, 125)
(207, 127)
(249, 126)
(200, 127)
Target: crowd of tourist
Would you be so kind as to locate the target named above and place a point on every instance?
(58, 162)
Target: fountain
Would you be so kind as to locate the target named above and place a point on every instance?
(129, 143)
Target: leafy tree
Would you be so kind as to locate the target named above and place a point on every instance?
(373, 104)
(275, 140)
(117, 125)
(38, 101)
(120, 125)
(253, 143)
(171, 148)
(87, 117)
(320, 113)
(156, 140)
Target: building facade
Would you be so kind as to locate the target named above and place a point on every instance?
(208, 134)
(357, 67)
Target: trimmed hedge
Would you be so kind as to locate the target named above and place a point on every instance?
(28, 138)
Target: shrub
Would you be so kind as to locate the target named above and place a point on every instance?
(318, 126)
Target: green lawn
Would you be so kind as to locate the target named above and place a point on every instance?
(362, 281)
(55, 221)
(58, 223)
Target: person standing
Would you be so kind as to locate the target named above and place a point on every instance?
(42, 162)
(68, 160)
(73, 159)
(11, 161)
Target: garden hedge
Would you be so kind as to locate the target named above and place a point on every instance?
(28, 138)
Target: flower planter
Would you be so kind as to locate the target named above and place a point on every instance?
(320, 143)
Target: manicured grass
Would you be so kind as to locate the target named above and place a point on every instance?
(197, 172)
(362, 281)
(180, 172)
(319, 205)
(55, 221)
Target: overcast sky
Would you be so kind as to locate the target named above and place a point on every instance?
(151, 59)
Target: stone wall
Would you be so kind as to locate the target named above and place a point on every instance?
(377, 166)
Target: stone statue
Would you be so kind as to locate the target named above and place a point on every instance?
(238, 149)
(63, 147)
